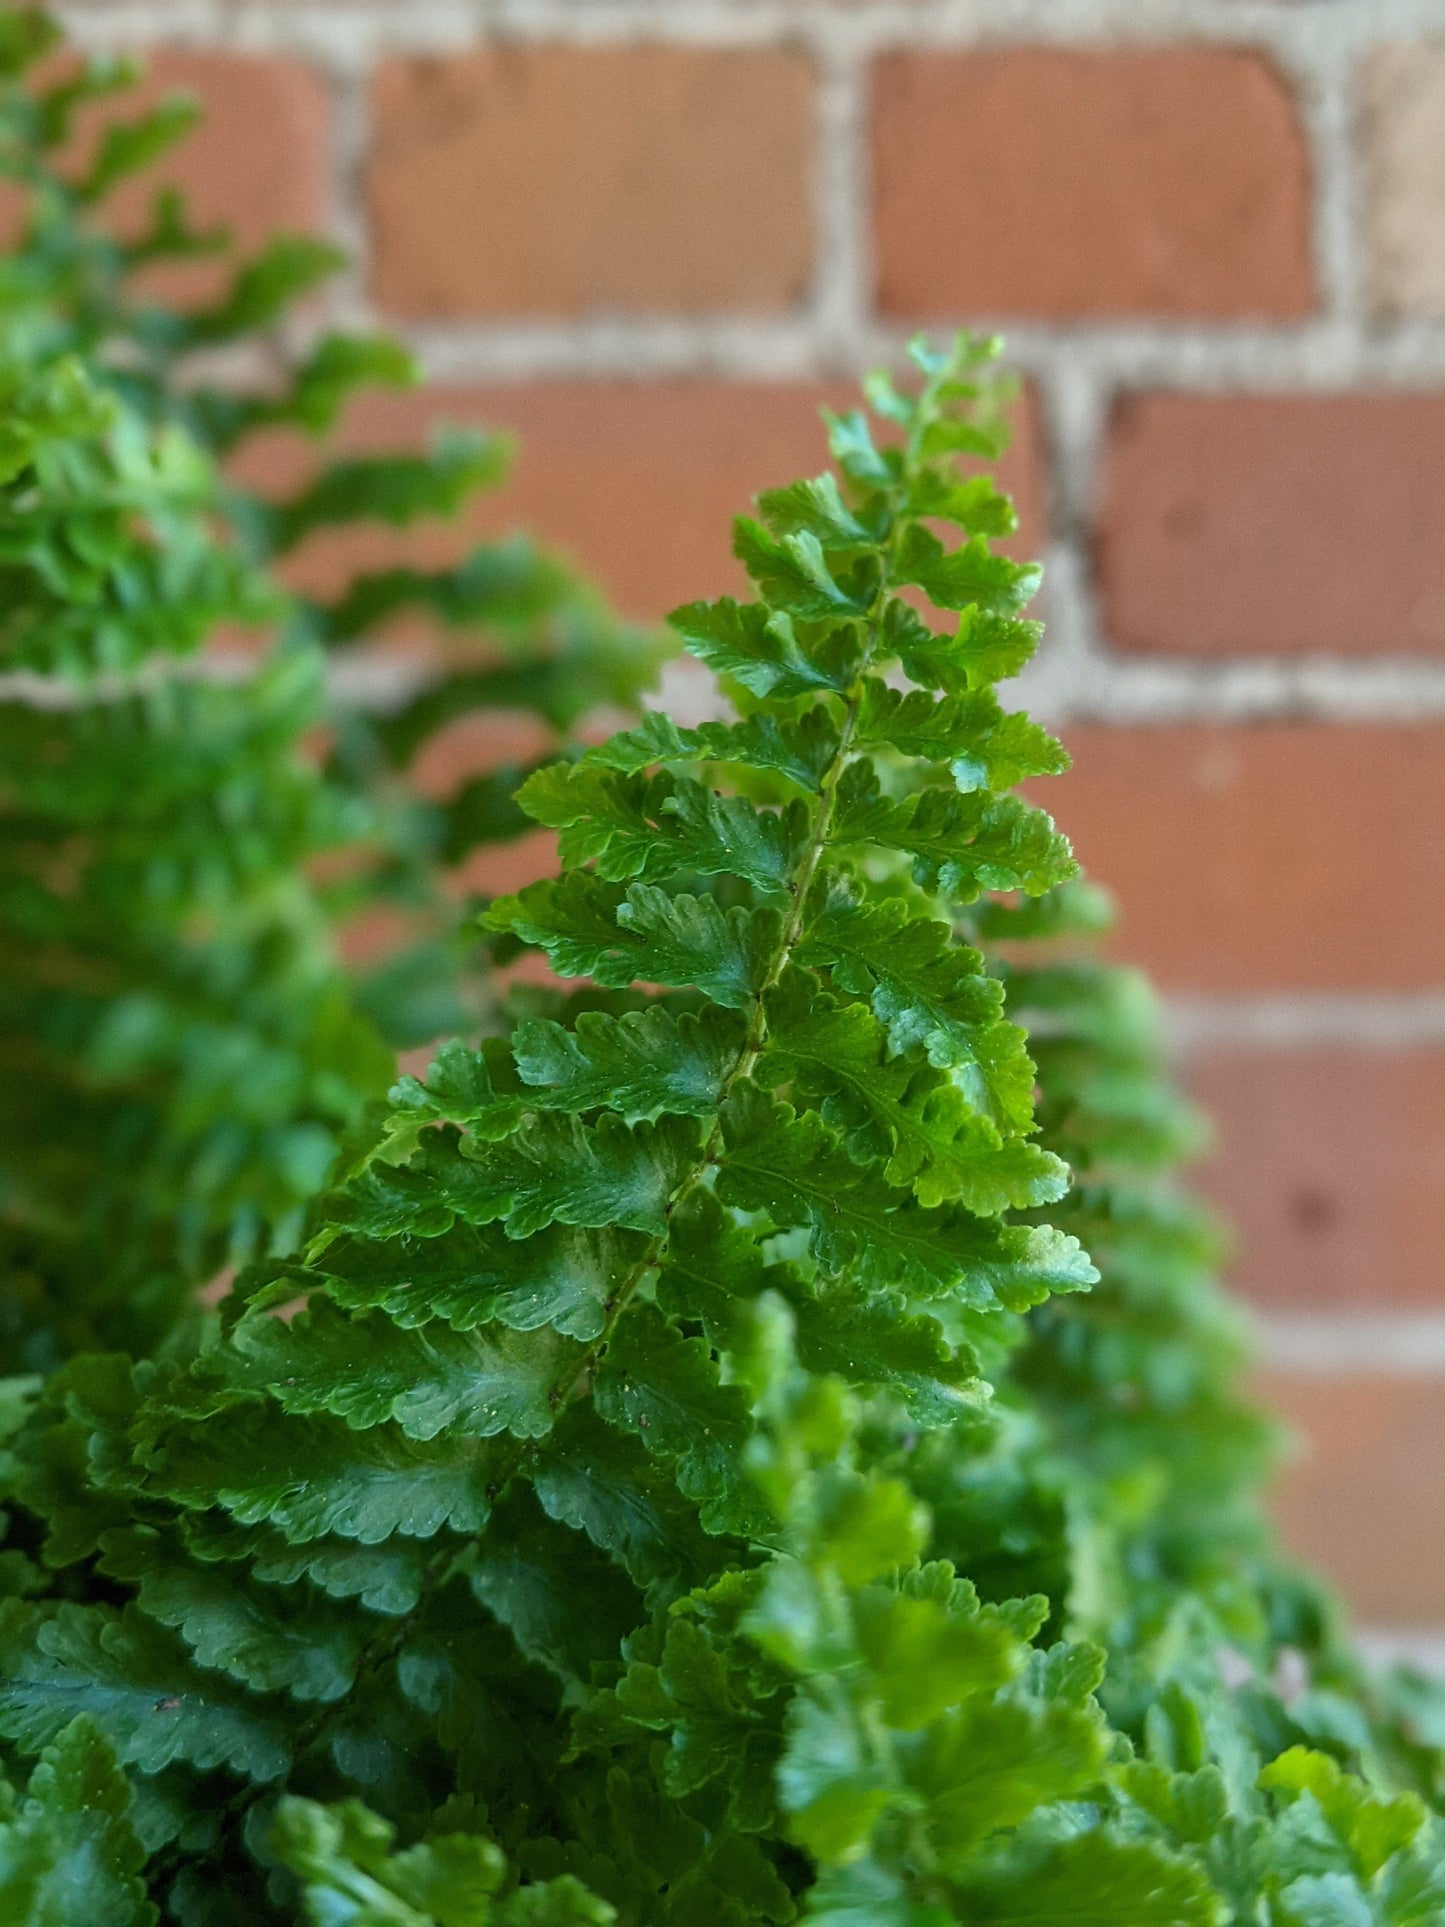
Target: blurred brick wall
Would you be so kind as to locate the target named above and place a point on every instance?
(651, 234)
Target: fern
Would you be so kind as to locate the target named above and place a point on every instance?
(1134, 1457)
(177, 1046)
(588, 1540)
(638, 1228)
(182, 1049)
(528, 633)
(69, 1845)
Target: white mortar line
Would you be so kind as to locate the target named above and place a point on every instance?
(1394, 1344)
(1070, 658)
(1306, 1020)
(1072, 410)
(1320, 68)
(1073, 684)
(1316, 356)
(642, 348)
(1061, 692)
(1417, 1647)
(350, 143)
(925, 23)
(843, 294)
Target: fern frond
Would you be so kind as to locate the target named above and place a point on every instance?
(587, 1504)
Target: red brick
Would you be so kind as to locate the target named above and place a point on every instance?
(475, 744)
(1366, 1500)
(638, 481)
(1275, 857)
(1035, 181)
(1279, 525)
(259, 163)
(575, 180)
(1330, 1165)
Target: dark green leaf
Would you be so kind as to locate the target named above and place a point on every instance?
(140, 1687)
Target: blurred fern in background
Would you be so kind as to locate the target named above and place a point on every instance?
(181, 1042)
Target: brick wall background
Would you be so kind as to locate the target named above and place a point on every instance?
(652, 234)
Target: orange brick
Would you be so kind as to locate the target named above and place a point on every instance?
(638, 481)
(1366, 1500)
(1226, 530)
(576, 180)
(1330, 1165)
(1275, 857)
(1036, 181)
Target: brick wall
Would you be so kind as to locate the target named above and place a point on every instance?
(652, 234)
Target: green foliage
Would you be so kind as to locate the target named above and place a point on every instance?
(519, 629)
(522, 1303)
(689, 1470)
(343, 1856)
(693, 1471)
(69, 1850)
(183, 1051)
(178, 1046)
